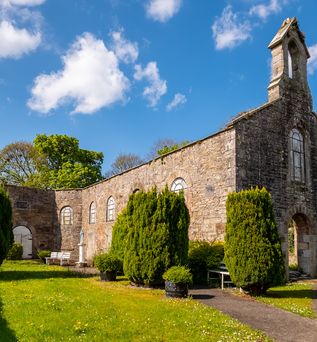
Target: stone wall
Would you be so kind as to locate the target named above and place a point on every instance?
(68, 235)
(35, 209)
(208, 168)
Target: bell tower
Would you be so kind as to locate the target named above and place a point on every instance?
(289, 63)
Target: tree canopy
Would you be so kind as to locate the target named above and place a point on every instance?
(124, 162)
(53, 161)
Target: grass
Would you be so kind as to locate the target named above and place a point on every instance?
(47, 303)
(293, 297)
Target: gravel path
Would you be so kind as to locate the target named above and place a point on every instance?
(278, 324)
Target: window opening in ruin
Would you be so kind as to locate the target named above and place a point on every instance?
(290, 66)
(67, 216)
(297, 156)
(293, 60)
(110, 209)
(178, 185)
(92, 213)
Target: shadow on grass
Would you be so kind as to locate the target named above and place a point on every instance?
(24, 275)
(292, 294)
(6, 334)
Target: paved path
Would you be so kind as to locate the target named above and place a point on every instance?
(278, 324)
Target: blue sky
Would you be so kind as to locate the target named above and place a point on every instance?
(121, 74)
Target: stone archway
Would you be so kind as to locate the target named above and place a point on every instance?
(23, 236)
(299, 242)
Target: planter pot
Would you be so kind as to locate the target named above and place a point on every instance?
(108, 276)
(178, 290)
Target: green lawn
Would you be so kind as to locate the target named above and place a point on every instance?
(47, 303)
(294, 297)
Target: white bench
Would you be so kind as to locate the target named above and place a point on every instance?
(61, 257)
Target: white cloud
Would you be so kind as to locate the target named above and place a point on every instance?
(312, 62)
(90, 78)
(125, 50)
(21, 2)
(228, 32)
(15, 42)
(178, 100)
(157, 87)
(264, 10)
(163, 10)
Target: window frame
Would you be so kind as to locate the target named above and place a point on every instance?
(178, 184)
(297, 155)
(67, 213)
(92, 213)
(111, 207)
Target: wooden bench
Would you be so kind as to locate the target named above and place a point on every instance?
(222, 273)
(60, 257)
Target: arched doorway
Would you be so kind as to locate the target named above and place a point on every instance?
(23, 236)
(299, 249)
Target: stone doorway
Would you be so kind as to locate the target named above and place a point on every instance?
(23, 236)
(299, 247)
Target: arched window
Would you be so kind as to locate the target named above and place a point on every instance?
(293, 60)
(110, 209)
(67, 215)
(297, 156)
(92, 213)
(178, 185)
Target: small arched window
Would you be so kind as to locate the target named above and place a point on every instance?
(92, 213)
(67, 216)
(111, 209)
(297, 156)
(178, 185)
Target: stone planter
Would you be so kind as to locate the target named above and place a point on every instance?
(172, 290)
(108, 276)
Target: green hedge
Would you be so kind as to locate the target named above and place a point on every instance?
(6, 235)
(253, 251)
(204, 255)
(151, 235)
(15, 252)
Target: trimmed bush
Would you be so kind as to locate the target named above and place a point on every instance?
(119, 235)
(253, 251)
(15, 252)
(179, 275)
(157, 235)
(6, 235)
(107, 262)
(43, 254)
(204, 255)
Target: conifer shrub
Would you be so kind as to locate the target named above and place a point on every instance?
(43, 254)
(15, 252)
(6, 235)
(119, 235)
(203, 255)
(157, 235)
(253, 251)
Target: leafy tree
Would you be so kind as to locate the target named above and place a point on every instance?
(66, 165)
(157, 235)
(18, 163)
(6, 235)
(164, 146)
(253, 251)
(124, 162)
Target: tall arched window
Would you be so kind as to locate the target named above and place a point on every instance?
(67, 216)
(293, 60)
(110, 209)
(92, 213)
(297, 156)
(178, 185)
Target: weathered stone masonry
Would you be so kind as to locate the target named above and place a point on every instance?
(254, 149)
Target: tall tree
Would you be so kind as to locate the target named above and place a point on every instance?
(67, 165)
(18, 163)
(124, 162)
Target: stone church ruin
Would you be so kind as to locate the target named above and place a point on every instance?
(274, 145)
